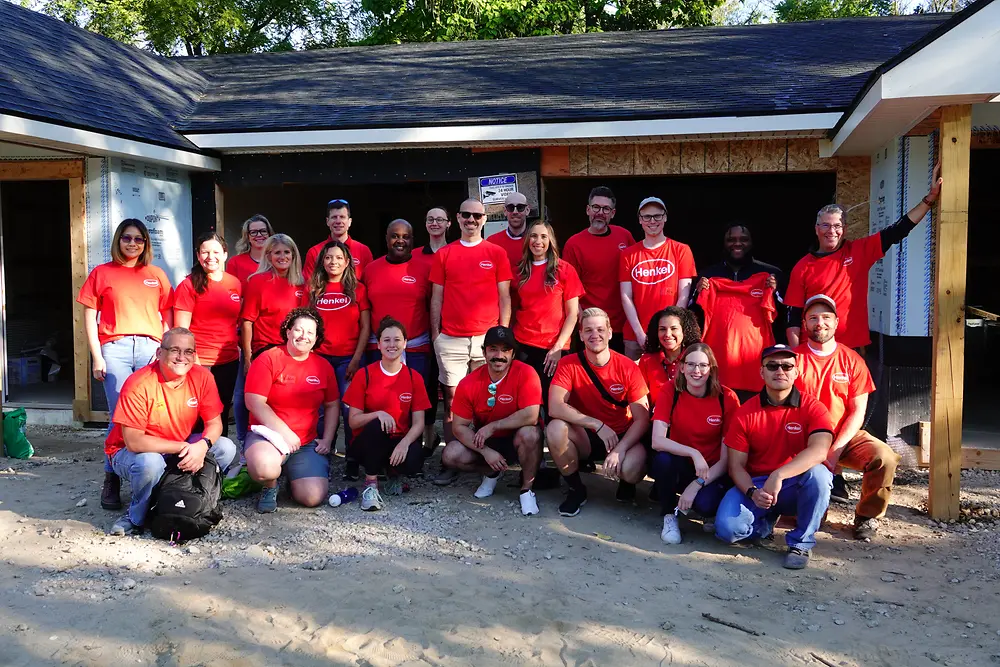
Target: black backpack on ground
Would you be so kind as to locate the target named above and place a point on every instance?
(186, 505)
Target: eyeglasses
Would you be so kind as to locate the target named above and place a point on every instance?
(515, 207)
(492, 388)
(439, 221)
(471, 214)
(773, 366)
(825, 226)
(657, 217)
(258, 232)
(601, 209)
(138, 240)
(179, 351)
(338, 201)
(691, 366)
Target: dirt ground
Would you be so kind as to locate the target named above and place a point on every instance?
(440, 578)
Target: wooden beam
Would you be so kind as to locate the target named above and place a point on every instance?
(984, 459)
(555, 161)
(78, 261)
(40, 170)
(947, 363)
(220, 218)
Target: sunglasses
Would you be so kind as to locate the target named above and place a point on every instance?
(773, 366)
(338, 201)
(258, 232)
(138, 240)
(492, 388)
(471, 214)
(516, 207)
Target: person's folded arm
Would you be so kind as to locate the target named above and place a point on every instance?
(559, 408)
(138, 441)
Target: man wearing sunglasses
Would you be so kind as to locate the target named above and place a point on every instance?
(157, 409)
(778, 444)
(838, 377)
(470, 283)
(516, 209)
(652, 275)
(338, 221)
(495, 420)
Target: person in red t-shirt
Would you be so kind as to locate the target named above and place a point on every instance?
(208, 303)
(778, 444)
(250, 248)
(126, 308)
(548, 296)
(496, 410)
(338, 221)
(271, 293)
(839, 268)
(594, 254)
(158, 410)
(688, 424)
(516, 208)
(386, 403)
(653, 274)
(287, 386)
(670, 331)
(599, 410)
(838, 377)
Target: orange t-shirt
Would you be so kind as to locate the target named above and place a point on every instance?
(514, 247)
(540, 308)
(834, 379)
(657, 372)
(401, 291)
(215, 318)
(295, 390)
(620, 376)
(519, 389)
(697, 422)
(148, 404)
(470, 276)
(595, 259)
(361, 256)
(242, 266)
(130, 301)
(400, 395)
(341, 318)
(654, 274)
(266, 301)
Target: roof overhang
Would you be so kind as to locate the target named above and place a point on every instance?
(959, 66)
(534, 134)
(49, 135)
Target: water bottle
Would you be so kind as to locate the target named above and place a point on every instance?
(348, 495)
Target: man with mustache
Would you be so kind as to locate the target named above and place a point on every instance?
(495, 420)
(338, 221)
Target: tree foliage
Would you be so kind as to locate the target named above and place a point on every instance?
(811, 10)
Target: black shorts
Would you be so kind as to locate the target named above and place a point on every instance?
(504, 445)
(598, 452)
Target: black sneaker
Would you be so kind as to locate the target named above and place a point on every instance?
(625, 492)
(865, 528)
(352, 470)
(111, 493)
(587, 466)
(840, 492)
(575, 499)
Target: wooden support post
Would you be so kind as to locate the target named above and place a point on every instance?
(947, 364)
(220, 218)
(78, 260)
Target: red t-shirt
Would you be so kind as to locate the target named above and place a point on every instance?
(215, 318)
(773, 435)
(470, 276)
(697, 422)
(147, 403)
(519, 389)
(361, 256)
(654, 274)
(514, 247)
(402, 394)
(242, 266)
(657, 372)
(131, 301)
(595, 259)
(738, 317)
(266, 301)
(833, 380)
(620, 376)
(540, 311)
(843, 276)
(401, 291)
(341, 318)
(295, 390)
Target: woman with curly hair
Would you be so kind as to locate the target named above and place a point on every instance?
(669, 332)
(286, 387)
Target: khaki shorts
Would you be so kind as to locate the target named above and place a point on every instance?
(454, 354)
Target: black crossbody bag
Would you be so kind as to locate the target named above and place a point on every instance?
(597, 382)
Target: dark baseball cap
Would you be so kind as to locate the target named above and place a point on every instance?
(500, 336)
(777, 350)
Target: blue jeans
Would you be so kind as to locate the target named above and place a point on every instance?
(340, 365)
(805, 497)
(143, 472)
(123, 357)
(673, 473)
(239, 404)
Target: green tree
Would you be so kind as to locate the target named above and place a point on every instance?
(811, 10)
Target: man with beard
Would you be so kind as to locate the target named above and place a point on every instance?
(594, 254)
(739, 263)
(516, 208)
(495, 420)
(837, 376)
(599, 409)
(338, 221)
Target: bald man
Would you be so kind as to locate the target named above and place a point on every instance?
(516, 208)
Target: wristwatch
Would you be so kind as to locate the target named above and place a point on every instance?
(208, 442)
(749, 492)
(928, 203)
(701, 482)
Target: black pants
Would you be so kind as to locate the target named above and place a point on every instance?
(373, 446)
(535, 357)
(674, 473)
(432, 384)
(225, 380)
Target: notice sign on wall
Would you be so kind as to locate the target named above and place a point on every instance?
(494, 189)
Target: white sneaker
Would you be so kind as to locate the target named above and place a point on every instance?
(671, 533)
(529, 504)
(488, 486)
(371, 500)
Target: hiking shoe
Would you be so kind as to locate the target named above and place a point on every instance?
(625, 492)
(529, 503)
(487, 487)
(268, 500)
(840, 492)
(575, 499)
(796, 559)
(371, 501)
(865, 528)
(394, 486)
(124, 526)
(446, 477)
(352, 470)
(671, 533)
(111, 493)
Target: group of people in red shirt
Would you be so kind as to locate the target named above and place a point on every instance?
(664, 358)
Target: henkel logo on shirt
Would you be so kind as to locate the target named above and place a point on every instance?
(299, 293)
(841, 377)
(714, 420)
(151, 282)
(506, 399)
(333, 301)
(233, 296)
(848, 261)
(652, 271)
(486, 264)
(356, 261)
(405, 397)
(622, 246)
(312, 379)
(409, 280)
(192, 402)
(793, 427)
(617, 388)
(756, 293)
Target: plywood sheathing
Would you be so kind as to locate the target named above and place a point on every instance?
(853, 189)
(578, 161)
(611, 160)
(657, 159)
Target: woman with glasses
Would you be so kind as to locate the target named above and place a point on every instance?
(272, 292)
(689, 464)
(126, 308)
(208, 303)
(670, 331)
(250, 248)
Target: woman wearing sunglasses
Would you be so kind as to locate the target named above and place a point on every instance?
(133, 299)
(690, 418)
(670, 331)
(250, 248)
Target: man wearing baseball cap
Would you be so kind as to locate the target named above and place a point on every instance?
(838, 377)
(652, 275)
(778, 444)
(495, 419)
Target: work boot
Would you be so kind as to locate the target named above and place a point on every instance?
(840, 492)
(111, 493)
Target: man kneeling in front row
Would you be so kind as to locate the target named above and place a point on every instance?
(158, 407)
(495, 419)
(778, 444)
